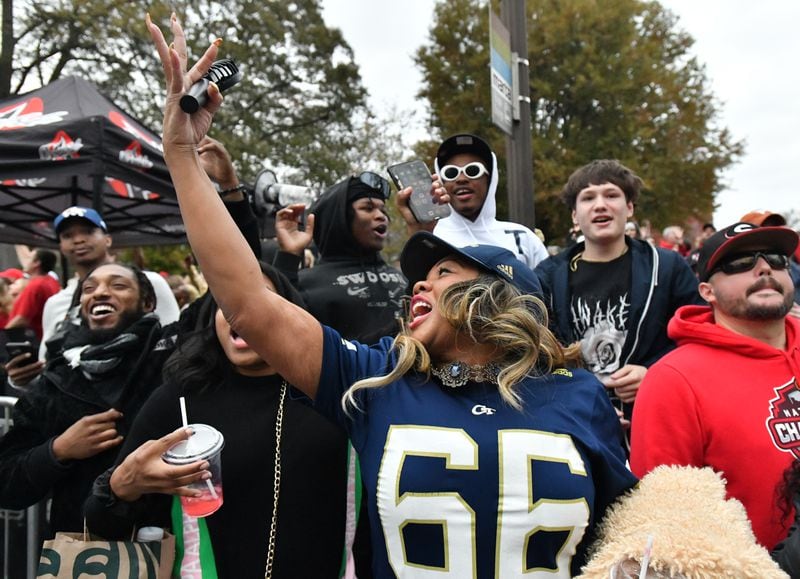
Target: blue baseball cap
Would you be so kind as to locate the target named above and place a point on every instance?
(76, 212)
(424, 250)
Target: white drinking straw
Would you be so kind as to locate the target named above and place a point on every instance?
(648, 550)
(183, 412)
(185, 420)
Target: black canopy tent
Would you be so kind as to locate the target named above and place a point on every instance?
(67, 144)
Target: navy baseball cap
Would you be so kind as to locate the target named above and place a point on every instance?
(424, 250)
(76, 212)
(742, 237)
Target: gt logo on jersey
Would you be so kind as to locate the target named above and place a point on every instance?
(479, 409)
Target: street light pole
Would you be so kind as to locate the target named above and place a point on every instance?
(519, 156)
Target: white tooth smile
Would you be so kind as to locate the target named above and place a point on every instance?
(420, 309)
(102, 309)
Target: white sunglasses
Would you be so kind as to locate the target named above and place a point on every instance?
(474, 170)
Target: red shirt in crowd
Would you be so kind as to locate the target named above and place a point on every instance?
(30, 302)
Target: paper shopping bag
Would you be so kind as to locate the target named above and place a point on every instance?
(71, 555)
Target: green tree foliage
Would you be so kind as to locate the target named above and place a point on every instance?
(300, 110)
(168, 258)
(295, 108)
(611, 79)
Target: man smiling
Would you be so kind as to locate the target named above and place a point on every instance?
(612, 293)
(727, 397)
(467, 168)
(68, 425)
(85, 243)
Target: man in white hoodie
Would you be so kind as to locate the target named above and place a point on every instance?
(467, 169)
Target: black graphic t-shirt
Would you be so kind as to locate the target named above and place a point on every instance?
(599, 311)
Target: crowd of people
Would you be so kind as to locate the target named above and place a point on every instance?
(486, 410)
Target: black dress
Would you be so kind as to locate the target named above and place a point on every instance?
(311, 507)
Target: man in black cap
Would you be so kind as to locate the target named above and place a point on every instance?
(764, 217)
(351, 288)
(727, 397)
(467, 169)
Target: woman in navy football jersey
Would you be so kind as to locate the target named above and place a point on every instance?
(483, 454)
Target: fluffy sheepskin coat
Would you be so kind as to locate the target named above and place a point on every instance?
(697, 533)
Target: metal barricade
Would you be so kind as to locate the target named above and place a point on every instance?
(9, 516)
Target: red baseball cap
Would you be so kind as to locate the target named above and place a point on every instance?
(12, 273)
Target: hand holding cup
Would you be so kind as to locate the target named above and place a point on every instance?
(143, 471)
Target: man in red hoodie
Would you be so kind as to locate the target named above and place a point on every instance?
(728, 396)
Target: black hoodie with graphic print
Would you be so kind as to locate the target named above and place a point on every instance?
(349, 289)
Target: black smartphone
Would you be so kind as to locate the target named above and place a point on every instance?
(301, 222)
(415, 174)
(16, 348)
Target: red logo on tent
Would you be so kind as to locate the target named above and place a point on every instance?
(128, 126)
(32, 182)
(132, 155)
(124, 189)
(62, 147)
(28, 113)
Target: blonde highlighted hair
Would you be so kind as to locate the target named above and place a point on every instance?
(486, 310)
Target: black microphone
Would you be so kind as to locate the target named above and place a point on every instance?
(224, 73)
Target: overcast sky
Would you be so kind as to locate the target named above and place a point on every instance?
(750, 50)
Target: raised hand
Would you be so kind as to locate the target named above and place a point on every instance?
(88, 436)
(440, 196)
(290, 238)
(183, 132)
(143, 471)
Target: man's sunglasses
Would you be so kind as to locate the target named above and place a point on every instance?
(747, 261)
(474, 170)
(375, 182)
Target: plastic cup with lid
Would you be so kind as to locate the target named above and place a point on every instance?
(205, 443)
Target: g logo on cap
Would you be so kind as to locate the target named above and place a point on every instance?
(739, 228)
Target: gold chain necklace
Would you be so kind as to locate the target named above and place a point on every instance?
(573, 263)
(276, 485)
